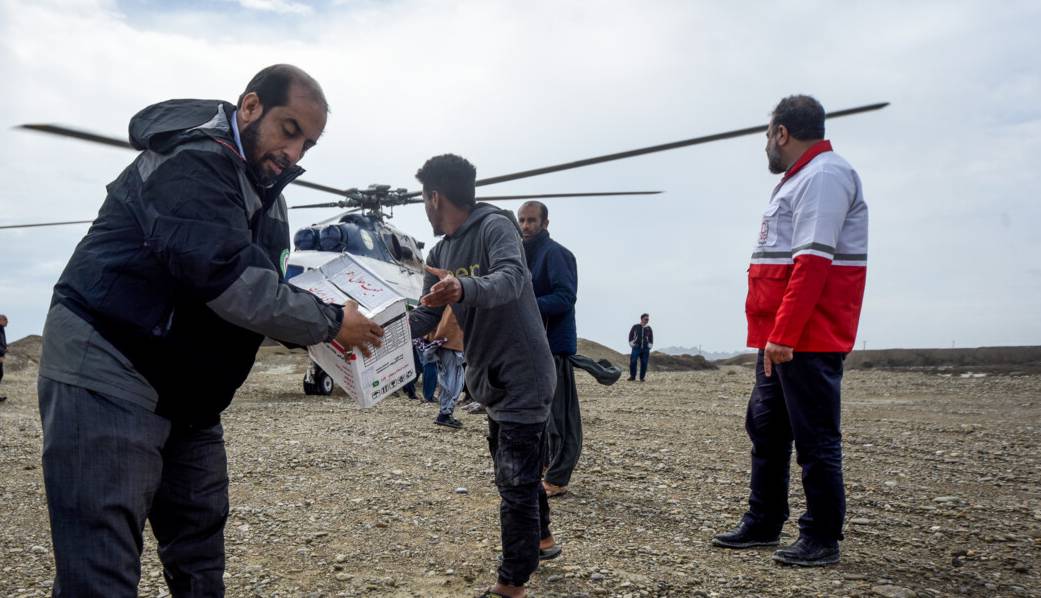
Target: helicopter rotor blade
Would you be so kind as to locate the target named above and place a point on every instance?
(328, 204)
(552, 195)
(549, 196)
(46, 224)
(660, 148)
(77, 134)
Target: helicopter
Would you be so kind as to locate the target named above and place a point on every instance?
(364, 230)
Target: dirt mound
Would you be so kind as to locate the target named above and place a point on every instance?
(596, 351)
(980, 359)
(659, 362)
(23, 352)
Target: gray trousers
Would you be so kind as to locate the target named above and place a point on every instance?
(108, 465)
(564, 428)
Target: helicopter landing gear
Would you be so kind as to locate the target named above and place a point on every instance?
(317, 382)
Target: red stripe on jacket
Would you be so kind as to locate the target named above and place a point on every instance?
(811, 305)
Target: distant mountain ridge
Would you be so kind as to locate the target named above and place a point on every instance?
(709, 355)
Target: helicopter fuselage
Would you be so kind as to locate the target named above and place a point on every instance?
(393, 255)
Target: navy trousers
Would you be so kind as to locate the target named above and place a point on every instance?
(799, 403)
(518, 453)
(108, 465)
(642, 355)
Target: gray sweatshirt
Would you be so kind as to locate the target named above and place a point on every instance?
(509, 366)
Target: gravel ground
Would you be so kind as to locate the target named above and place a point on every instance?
(942, 476)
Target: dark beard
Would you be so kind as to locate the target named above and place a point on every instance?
(250, 138)
(773, 162)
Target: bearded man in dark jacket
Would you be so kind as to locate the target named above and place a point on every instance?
(156, 322)
(554, 278)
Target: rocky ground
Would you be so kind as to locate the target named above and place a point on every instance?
(942, 475)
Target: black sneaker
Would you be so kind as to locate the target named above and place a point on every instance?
(2, 399)
(745, 536)
(631, 379)
(448, 420)
(807, 552)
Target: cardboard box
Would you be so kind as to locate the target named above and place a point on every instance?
(365, 379)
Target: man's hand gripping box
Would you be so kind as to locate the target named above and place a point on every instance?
(365, 379)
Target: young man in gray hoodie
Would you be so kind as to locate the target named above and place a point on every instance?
(478, 270)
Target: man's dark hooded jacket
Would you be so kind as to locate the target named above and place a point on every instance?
(554, 277)
(509, 367)
(169, 295)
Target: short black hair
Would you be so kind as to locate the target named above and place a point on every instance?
(642, 316)
(543, 210)
(452, 176)
(802, 115)
(272, 85)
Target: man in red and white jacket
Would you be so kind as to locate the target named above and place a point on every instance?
(805, 291)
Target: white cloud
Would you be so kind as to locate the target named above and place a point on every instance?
(277, 6)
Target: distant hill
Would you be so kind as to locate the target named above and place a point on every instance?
(659, 362)
(1025, 360)
(23, 352)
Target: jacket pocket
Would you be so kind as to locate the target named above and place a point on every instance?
(485, 384)
(768, 227)
(766, 286)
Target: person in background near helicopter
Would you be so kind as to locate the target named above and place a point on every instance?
(442, 350)
(554, 277)
(641, 338)
(477, 270)
(156, 322)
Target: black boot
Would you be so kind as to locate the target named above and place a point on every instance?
(807, 552)
(745, 536)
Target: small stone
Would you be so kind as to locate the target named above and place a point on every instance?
(596, 577)
(889, 591)
(860, 521)
(38, 550)
(461, 490)
(945, 499)
(340, 558)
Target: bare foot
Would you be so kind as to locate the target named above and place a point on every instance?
(508, 590)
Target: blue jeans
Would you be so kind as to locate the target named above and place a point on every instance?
(429, 380)
(108, 465)
(799, 403)
(642, 355)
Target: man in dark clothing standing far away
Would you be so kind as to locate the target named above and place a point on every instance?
(641, 337)
(805, 290)
(478, 272)
(554, 276)
(3, 350)
(156, 322)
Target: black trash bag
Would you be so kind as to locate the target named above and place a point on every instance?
(603, 371)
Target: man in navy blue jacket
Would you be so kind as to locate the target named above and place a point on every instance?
(554, 276)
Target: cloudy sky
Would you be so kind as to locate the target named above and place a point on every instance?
(951, 169)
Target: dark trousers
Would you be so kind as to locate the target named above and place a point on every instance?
(564, 428)
(107, 466)
(642, 355)
(517, 450)
(799, 403)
